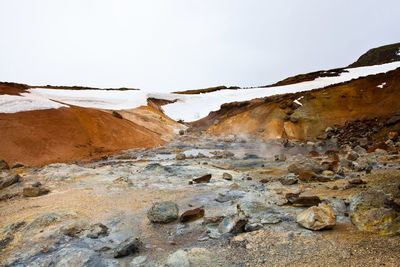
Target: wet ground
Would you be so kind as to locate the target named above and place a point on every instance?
(50, 230)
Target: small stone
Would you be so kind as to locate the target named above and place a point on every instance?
(35, 191)
(163, 212)
(264, 181)
(192, 215)
(317, 218)
(227, 176)
(128, 247)
(203, 179)
(181, 132)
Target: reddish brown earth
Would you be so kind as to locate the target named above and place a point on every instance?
(12, 88)
(68, 134)
(333, 106)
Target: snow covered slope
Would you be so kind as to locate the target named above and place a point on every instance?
(187, 108)
(194, 107)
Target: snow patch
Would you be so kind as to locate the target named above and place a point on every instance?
(381, 85)
(26, 102)
(398, 52)
(297, 101)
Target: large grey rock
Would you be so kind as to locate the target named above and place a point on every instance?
(163, 212)
(317, 218)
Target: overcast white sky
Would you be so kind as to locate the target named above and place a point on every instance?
(167, 45)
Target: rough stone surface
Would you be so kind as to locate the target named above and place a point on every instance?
(8, 181)
(35, 191)
(203, 179)
(227, 176)
(163, 212)
(128, 247)
(317, 218)
(97, 230)
(191, 215)
(370, 211)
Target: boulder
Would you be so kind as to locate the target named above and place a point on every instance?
(302, 201)
(294, 168)
(128, 247)
(35, 191)
(288, 180)
(203, 179)
(307, 175)
(163, 212)
(371, 211)
(4, 165)
(227, 176)
(192, 215)
(317, 218)
(8, 181)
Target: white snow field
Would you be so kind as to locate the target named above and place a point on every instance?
(194, 107)
(187, 107)
(28, 102)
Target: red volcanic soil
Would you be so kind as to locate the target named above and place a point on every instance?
(68, 134)
(12, 88)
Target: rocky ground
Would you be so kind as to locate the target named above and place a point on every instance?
(207, 201)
